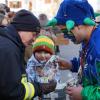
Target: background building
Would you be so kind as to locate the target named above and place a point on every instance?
(48, 7)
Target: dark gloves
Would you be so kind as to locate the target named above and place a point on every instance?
(44, 88)
(48, 87)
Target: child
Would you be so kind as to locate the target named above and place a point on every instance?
(43, 49)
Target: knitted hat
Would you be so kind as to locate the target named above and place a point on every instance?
(24, 20)
(76, 10)
(44, 43)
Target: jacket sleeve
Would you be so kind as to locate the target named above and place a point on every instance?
(32, 89)
(92, 92)
(13, 82)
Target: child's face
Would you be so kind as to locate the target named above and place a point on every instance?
(42, 55)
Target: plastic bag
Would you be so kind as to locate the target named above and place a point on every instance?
(50, 69)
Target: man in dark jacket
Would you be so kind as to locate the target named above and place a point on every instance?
(13, 39)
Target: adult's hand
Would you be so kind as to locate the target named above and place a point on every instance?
(74, 92)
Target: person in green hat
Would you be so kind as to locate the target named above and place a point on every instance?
(78, 17)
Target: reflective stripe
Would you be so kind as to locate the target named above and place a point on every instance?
(29, 89)
(32, 90)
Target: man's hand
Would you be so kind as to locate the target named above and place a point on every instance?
(64, 64)
(74, 92)
(48, 87)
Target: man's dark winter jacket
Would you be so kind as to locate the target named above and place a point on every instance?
(11, 65)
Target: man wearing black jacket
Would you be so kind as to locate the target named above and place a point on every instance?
(13, 39)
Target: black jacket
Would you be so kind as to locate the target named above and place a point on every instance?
(11, 64)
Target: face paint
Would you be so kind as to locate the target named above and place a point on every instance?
(72, 38)
(69, 35)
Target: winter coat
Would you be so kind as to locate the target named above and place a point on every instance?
(31, 70)
(90, 67)
(13, 81)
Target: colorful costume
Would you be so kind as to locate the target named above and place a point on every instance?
(90, 67)
(75, 12)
